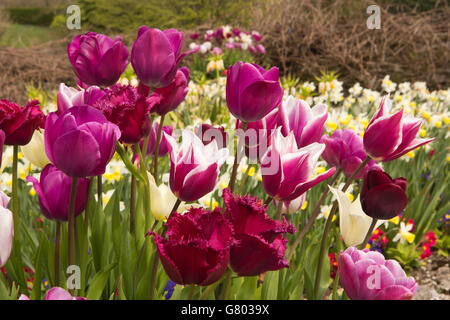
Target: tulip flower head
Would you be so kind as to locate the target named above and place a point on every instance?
(163, 144)
(287, 170)
(389, 137)
(345, 150)
(54, 190)
(97, 59)
(194, 167)
(197, 247)
(383, 197)
(353, 222)
(251, 91)
(17, 123)
(81, 141)
(68, 97)
(156, 54)
(366, 275)
(55, 293)
(33, 151)
(260, 245)
(6, 229)
(207, 133)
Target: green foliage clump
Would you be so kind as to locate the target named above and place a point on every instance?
(33, 16)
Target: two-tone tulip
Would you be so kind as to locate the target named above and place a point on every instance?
(390, 136)
(345, 150)
(208, 133)
(194, 167)
(366, 275)
(97, 59)
(54, 188)
(156, 54)
(287, 171)
(6, 229)
(383, 197)
(81, 141)
(260, 245)
(251, 91)
(196, 249)
(68, 97)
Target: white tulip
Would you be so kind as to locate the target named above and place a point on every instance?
(6, 229)
(34, 151)
(353, 222)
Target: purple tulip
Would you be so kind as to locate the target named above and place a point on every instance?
(2, 141)
(229, 45)
(197, 247)
(55, 293)
(345, 150)
(54, 190)
(163, 144)
(80, 142)
(307, 123)
(166, 99)
(366, 275)
(388, 137)
(68, 97)
(383, 197)
(6, 229)
(260, 244)
(216, 51)
(251, 91)
(260, 48)
(156, 54)
(287, 170)
(256, 36)
(194, 167)
(97, 59)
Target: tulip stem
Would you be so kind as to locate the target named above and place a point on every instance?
(73, 193)
(279, 208)
(155, 159)
(236, 162)
(226, 285)
(268, 201)
(244, 178)
(99, 188)
(369, 233)
(191, 292)
(57, 245)
(335, 285)
(313, 217)
(133, 203)
(323, 244)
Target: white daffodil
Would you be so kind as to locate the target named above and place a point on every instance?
(405, 234)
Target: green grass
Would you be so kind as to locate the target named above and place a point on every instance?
(21, 36)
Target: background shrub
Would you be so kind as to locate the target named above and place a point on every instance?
(34, 16)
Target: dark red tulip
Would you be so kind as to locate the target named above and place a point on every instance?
(383, 197)
(197, 247)
(208, 133)
(125, 107)
(19, 123)
(260, 245)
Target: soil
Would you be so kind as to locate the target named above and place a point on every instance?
(433, 279)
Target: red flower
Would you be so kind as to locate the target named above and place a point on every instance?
(197, 247)
(19, 123)
(260, 243)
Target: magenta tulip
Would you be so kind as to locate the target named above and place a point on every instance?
(156, 54)
(126, 108)
(166, 99)
(81, 141)
(18, 123)
(383, 197)
(194, 167)
(207, 133)
(197, 247)
(68, 97)
(97, 59)
(307, 123)
(6, 229)
(55, 293)
(260, 245)
(163, 144)
(251, 91)
(53, 191)
(366, 275)
(345, 150)
(388, 137)
(287, 170)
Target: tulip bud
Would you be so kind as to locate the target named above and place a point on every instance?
(54, 190)
(260, 244)
(80, 142)
(33, 151)
(163, 144)
(382, 197)
(6, 229)
(251, 91)
(97, 59)
(194, 167)
(389, 137)
(366, 275)
(287, 170)
(197, 247)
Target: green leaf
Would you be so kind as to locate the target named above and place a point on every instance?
(98, 283)
(270, 286)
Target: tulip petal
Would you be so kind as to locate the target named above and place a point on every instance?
(394, 292)
(384, 201)
(264, 94)
(347, 276)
